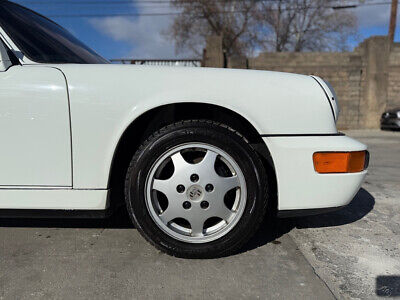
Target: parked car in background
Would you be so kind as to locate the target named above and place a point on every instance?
(197, 154)
(391, 119)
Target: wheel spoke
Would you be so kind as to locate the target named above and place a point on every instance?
(163, 186)
(179, 162)
(197, 224)
(228, 183)
(208, 162)
(172, 212)
(220, 210)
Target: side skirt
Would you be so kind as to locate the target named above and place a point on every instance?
(54, 214)
(53, 199)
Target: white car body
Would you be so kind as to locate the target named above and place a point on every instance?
(60, 126)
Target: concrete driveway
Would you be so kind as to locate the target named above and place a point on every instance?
(350, 253)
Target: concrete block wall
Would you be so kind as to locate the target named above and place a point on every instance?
(394, 77)
(367, 80)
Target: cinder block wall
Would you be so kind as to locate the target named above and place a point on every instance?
(367, 80)
(394, 77)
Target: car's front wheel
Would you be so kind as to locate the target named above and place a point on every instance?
(196, 189)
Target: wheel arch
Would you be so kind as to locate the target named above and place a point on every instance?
(156, 118)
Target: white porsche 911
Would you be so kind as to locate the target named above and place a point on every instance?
(197, 155)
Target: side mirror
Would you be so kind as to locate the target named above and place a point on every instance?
(5, 61)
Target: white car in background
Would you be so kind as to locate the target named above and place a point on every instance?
(198, 154)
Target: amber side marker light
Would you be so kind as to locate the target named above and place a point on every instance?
(340, 162)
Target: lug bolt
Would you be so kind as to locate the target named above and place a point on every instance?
(186, 205)
(180, 189)
(204, 204)
(209, 187)
(194, 178)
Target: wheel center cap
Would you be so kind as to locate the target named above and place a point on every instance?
(195, 193)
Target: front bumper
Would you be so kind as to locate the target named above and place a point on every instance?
(300, 187)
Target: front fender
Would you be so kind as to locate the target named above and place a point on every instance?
(105, 99)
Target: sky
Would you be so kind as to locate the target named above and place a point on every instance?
(140, 36)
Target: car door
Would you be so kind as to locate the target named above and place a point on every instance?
(35, 137)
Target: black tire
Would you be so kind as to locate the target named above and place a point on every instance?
(222, 137)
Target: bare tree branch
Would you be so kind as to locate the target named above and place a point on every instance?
(248, 25)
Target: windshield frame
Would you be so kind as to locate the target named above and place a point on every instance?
(25, 58)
